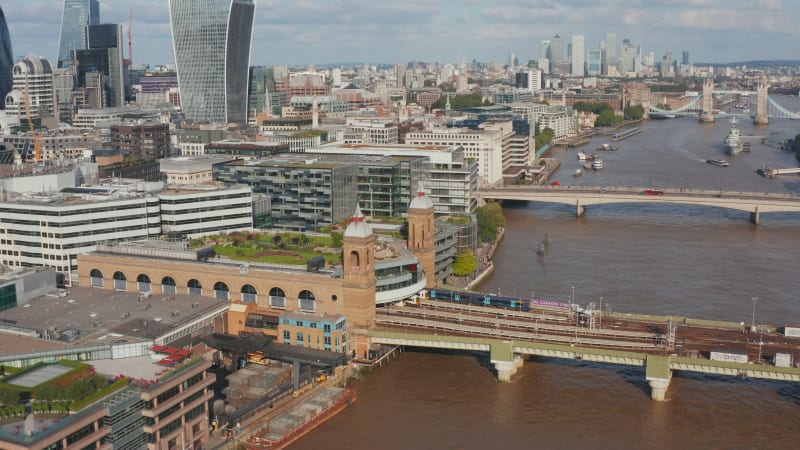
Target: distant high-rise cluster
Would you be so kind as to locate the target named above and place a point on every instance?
(211, 41)
(77, 16)
(6, 58)
(100, 66)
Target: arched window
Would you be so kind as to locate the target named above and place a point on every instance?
(277, 298)
(195, 287)
(120, 281)
(221, 291)
(96, 278)
(307, 300)
(144, 282)
(168, 285)
(355, 263)
(249, 294)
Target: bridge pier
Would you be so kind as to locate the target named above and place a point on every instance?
(658, 376)
(761, 119)
(755, 217)
(505, 361)
(505, 370)
(579, 209)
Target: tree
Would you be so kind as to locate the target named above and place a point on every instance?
(337, 239)
(8, 397)
(460, 101)
(607, 119)
(544, 137)
(490, 219)
(466, 263)
(634, 112)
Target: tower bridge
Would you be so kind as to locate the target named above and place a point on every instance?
(703, 105)
(582, 196)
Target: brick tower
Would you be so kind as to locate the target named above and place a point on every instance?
(358, 251)
(421, 233)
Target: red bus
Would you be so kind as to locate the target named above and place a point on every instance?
(653, 192)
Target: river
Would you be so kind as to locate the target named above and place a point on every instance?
(647, 258)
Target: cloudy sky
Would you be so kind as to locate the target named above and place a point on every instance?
(390, 31)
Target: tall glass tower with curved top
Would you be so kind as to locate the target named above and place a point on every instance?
(78, 14)
(6, 59)
(211, 39)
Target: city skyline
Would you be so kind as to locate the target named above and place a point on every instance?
(320, 32)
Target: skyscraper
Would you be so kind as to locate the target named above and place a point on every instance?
(104, 55)
(6, 59)
(594, 67)
(578, 57)
(556, 49)
(211, 40)
(685, 57)
(627, 58)
(611, 49)
(78, 14)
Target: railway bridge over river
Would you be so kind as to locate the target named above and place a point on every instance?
(547, 329)
(582, 196)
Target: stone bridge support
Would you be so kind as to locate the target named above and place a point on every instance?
(755, 217)
(506, 363)
(579, 209)
(658, 376)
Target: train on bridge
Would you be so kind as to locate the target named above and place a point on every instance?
(498, 301)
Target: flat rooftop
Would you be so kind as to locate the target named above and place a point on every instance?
(89, 316)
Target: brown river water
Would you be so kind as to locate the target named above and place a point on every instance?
(670, 260)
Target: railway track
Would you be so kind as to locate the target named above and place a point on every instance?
(525, 325)
(500, 332)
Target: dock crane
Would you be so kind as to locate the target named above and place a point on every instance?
(35, 135)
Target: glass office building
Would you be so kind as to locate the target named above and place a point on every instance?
(6, 59)
(78, 14)
(211, 40)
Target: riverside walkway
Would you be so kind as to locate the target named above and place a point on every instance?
(582, 196)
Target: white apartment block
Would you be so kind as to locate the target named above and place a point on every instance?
(52, 229)
(89, 119)
(189, 170)
(561, 119)
(486, 146)
(58, 147)
(32, 84)
(371, 132)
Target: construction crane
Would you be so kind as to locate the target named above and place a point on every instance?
(130, 37)
(36, 136)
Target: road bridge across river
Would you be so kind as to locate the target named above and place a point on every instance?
(582, 196)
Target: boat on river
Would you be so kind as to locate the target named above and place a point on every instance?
(607, 147)
(581, 156)
(733, 141)
(597, 164)
(718, 162)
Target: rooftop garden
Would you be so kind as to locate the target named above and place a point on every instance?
(275, 248)
(70, 391)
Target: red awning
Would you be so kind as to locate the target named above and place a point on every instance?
(165, 362)
(175, 357)
(183, 352)
(157, 348)
(170, 350)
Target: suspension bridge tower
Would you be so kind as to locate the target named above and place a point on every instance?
(762, 114)
(707, 113)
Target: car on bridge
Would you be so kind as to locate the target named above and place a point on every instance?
(653, 192)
